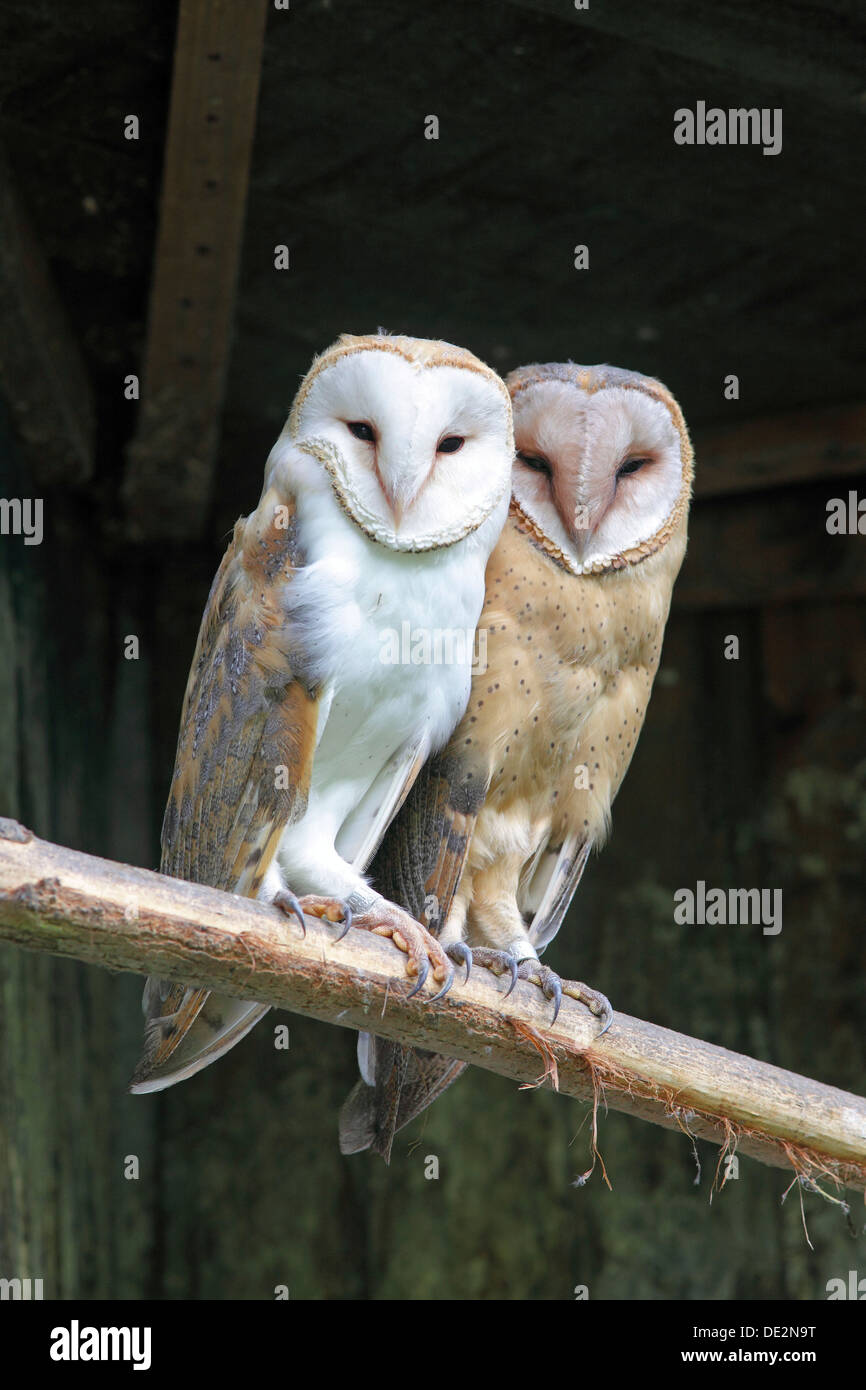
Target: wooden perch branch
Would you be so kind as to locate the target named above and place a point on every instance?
(70, 904)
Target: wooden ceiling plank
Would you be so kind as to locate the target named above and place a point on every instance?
(769, 549)
(799, 446)
(211, 127)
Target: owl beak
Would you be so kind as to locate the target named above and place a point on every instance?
(581, 534)
(393, 494)
(581, 521)
(579, 525)
(398, 502)
(401, 493)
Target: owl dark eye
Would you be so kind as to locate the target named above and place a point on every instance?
(630, 466)
(361, 430)
(451, 443)
(537, 462)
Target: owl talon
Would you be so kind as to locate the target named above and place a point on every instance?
(547, 980)
(420, 946)
(497, 962)
(597, 1003)
(514, 977)
(422, 976)
(328, 909)
(460, 953)
(449, 980)
(290, 905)
(346, 924)
(557, 1000)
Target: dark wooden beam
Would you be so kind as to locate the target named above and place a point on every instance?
(774, 548)
(42, 374)
(215, 86)
(801, 446)
(819, 51)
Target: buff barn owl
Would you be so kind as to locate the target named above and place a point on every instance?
(300, 733)
(498, 828)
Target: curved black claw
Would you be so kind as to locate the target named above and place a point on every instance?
(514, 967)
(555, 993)
(498, 962)
(605, 1013)
(557, 999)
(449, 980)
(547, 980)
(461, 955)
(422, 976)
(288, 903)
(347, 921)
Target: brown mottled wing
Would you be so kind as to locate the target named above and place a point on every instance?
(423, 854)
(419, 866)
(246, 713)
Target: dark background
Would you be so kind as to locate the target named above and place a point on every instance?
(556, 128)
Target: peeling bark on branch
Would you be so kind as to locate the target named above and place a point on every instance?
(122, 918)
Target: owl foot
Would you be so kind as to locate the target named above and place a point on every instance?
(531, 969)
(554, 988)
(495, 961)
(331, 909)
(422, 949)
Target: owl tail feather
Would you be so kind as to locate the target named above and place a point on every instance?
(404, 1082)
(358, 1119)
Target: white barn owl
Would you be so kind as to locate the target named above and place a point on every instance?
(497, 831)
(382, 500)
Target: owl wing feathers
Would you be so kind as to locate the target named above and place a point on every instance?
(245, 715)
(423, 856)
(233, 793)
(424, 851)
(362, 833)
(570, 861)
(419, 866)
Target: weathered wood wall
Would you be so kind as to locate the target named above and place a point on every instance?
(73, 739)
